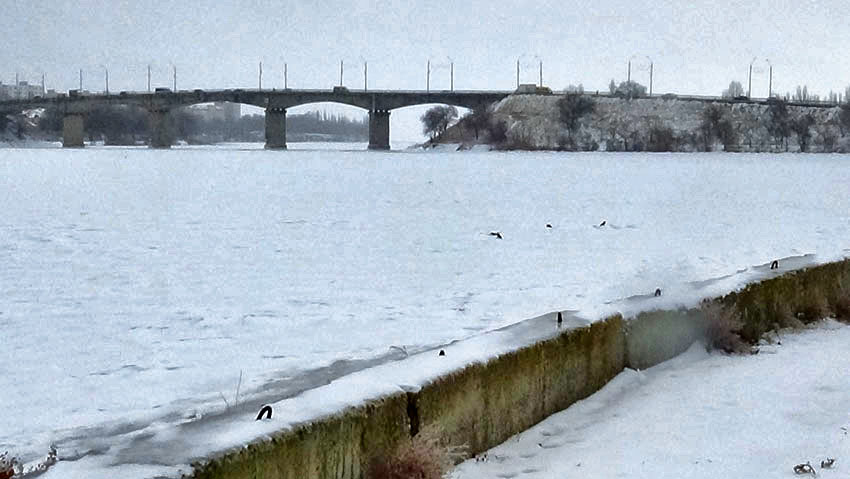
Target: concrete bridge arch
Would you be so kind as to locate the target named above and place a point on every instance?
(160, 104)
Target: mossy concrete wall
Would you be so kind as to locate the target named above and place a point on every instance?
(484, 404)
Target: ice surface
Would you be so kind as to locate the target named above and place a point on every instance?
(138, 285)
(697, 416)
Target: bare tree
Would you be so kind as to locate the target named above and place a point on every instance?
(716, 125)
(778, 121)
(479, 119)
(802, 128)
(735, 90)
(572, 107)
(436, 120)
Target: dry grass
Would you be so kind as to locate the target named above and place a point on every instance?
(722, 328)
(784, 318)
(421, 457)
(813, 306)
(841, 307)
(9, 466)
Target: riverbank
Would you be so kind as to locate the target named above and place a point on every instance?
(591, 122)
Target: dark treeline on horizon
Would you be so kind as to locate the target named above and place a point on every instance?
(121, 125)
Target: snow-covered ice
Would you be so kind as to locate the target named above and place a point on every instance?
(138, 286)
(698, 415)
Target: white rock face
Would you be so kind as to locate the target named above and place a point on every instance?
(617, 124)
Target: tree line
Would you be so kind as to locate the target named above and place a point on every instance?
(130, 125)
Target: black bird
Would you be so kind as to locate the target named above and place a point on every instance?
(560, 319)
(602, 224)
(497, 234)
(266, 409)
(657, 292)
(442, 353)
(548, 225)
(775, 264)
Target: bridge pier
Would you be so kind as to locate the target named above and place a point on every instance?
(379, 129)
(73, 131)
(276, 128)
(161, 129)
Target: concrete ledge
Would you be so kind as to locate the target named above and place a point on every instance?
(483, 404)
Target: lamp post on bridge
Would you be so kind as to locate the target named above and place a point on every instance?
(106, 73)
(541, 73)
(285, 75)
(750, 79)
(770, 78)
(650, 74)
(341, 67)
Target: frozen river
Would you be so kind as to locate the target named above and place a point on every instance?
(142, 286)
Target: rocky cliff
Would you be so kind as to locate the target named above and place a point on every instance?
(657, 124)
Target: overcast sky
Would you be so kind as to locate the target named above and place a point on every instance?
(697, 46)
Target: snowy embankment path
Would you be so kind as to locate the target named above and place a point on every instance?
(698, 415)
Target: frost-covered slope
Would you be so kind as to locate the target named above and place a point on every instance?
(617, 124)
(138, 285)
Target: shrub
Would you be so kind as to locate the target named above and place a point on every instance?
(497, 131)
(722, 326)
(571, 108)
(661, 138)
(9, 466)
(421, 457)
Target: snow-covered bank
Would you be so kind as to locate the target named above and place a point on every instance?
(139, 285)
(700, 416)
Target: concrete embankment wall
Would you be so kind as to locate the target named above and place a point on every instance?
(484, 404)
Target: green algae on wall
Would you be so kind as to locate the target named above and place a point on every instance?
(338, 446)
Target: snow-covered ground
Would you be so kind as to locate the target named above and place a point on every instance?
(141, 289)
(698, 416)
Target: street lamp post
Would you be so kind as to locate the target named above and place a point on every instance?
(750, 80)
(770, 79)
(285, 75)
(517, 72)
(428, 77)
(650, 74)
(541, 73)
(452, 76)
(174, 67)
(260, 79)
(81, 80)
(149, 78)
(107, 79)
(341, 69)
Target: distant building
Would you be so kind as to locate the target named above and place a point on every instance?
(218, 111)
(21, 91)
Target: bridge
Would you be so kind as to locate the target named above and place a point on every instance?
(379, 103)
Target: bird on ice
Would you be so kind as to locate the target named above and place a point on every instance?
(497, 234)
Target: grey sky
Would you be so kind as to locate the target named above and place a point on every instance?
(697, 46)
